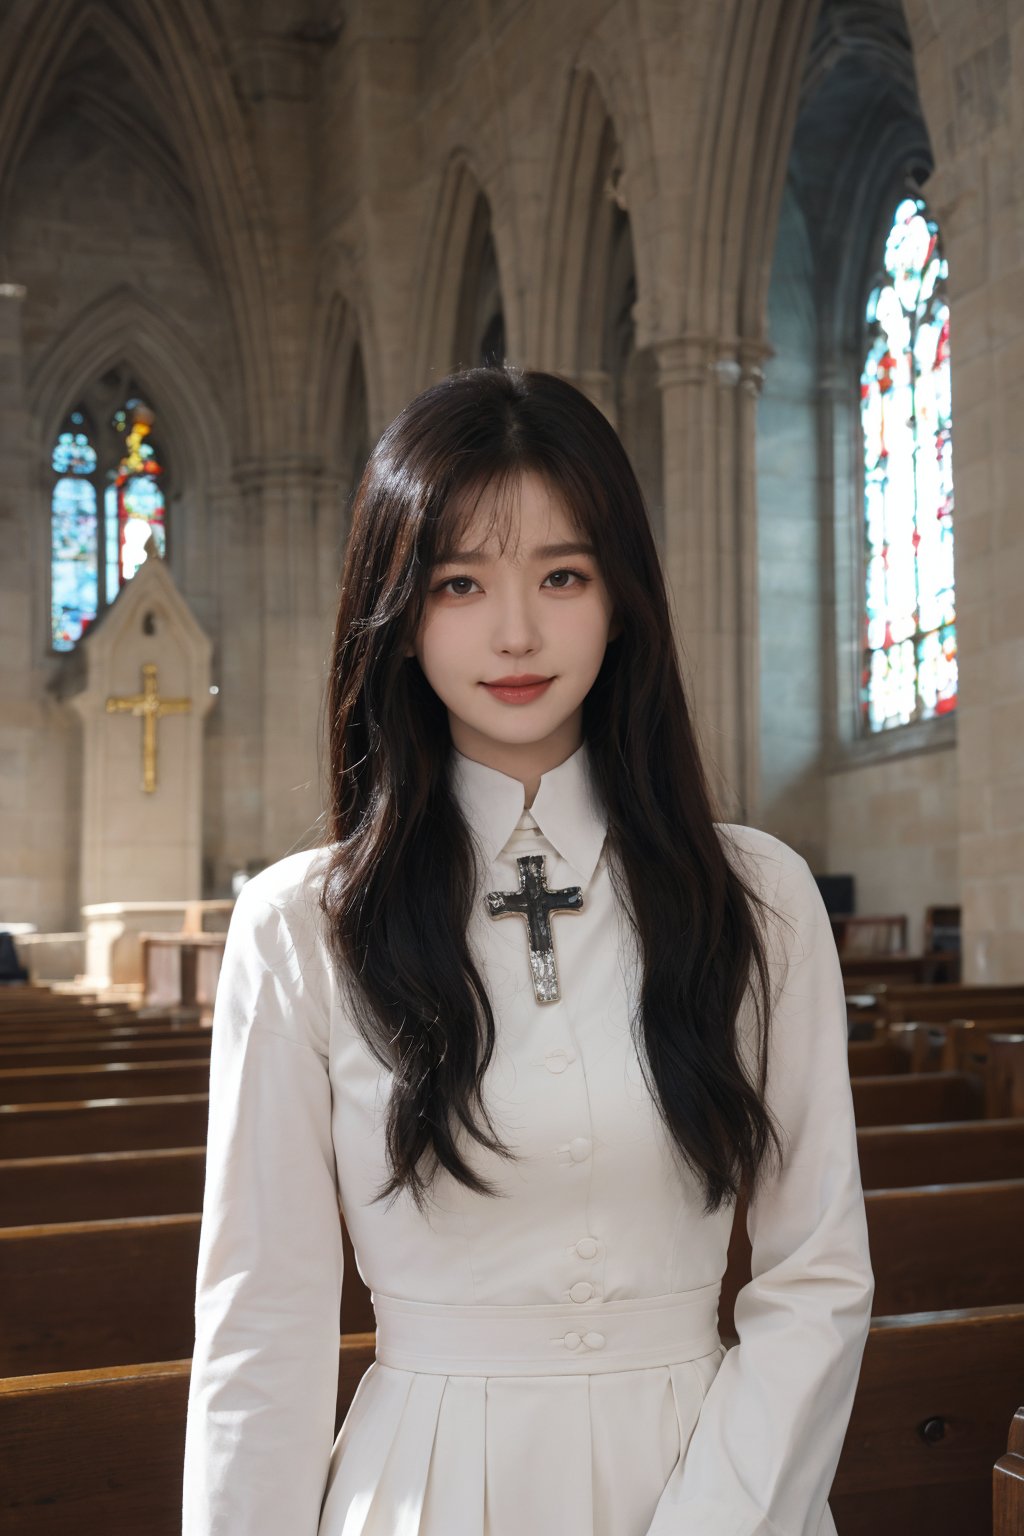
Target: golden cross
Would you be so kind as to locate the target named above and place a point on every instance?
(151, 707)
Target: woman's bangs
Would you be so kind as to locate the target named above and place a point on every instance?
(451, 529)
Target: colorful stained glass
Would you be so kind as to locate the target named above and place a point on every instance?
(84, 546)
(140, 500)
(74, 537)
(909, 667)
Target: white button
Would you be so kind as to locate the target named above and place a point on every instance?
(556, 1061)
(581, 1291)
(594, 1340)
(579, 1148)
(572, 1341)
(586, 1248)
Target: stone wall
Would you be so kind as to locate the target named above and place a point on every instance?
(290, 232)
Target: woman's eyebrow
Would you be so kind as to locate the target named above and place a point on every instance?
(545, 552)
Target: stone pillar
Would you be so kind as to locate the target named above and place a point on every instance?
(233, 742)
(281, 497)
(709, 398)
(37, 740)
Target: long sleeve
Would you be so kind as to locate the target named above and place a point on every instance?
(763, 1455)
(263, 1390)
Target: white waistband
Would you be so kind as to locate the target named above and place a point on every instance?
(553, 1339)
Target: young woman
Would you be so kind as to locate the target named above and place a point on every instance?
(531, 1020)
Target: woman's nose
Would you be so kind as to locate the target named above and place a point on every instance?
(516, 623)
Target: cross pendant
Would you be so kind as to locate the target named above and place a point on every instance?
(535, 902)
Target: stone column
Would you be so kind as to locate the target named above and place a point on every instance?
(709, 397)
(36, 736)
(281, 498)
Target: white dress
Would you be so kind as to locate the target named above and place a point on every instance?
(548, 1362)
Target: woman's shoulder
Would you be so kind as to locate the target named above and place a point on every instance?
(760, 857)
(277, 930)
(291, 887)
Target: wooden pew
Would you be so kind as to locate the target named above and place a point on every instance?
(954, 1045)
(961, 1152)
(144, 1033)
(1008, 1483)
(191, 1043)
(117, 1079)
(106, 1185)
(80, 1295)
(906, 1097)
(947, 1245)
(46, 1018)
(863, 972)
(936, 1392)
(104, 1125)
(103, 1451)
(951, 1000)
(933, 1247)
(102, 1186)
(1005, 1075)
(870, 1058)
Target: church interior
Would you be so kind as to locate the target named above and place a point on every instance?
(780, 244)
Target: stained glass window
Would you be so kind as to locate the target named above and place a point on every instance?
(93, 556)
(74, 534)
(909, 667)
(136, 507)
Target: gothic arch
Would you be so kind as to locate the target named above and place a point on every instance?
(593, 172)
(751, 102)
(576, 202)
(462, 218)
(339, 350)
(205, 128)
(125, 326)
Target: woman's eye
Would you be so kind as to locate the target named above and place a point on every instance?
(560, 586)
(454, 579)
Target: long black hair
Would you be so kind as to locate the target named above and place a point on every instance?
(396, 829)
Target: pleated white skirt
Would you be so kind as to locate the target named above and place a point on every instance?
(557, 1420)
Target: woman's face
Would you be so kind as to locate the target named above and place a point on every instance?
(492, 616)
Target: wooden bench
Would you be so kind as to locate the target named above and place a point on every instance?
(960, 1152)
(79, 1295)
(102, 1186)
(99, 1035)
(103, 1451)
(951, 1000)
(116, 1079)
(104, 1125)
(870, 1058)
(1008, 1483)
(106, 1185)
(936, 1392)
(917, 1097)
(191, 1043)
(932, 1248)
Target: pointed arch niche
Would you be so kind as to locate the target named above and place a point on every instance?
(121, 409)
(462, 317)
(860, 149)
(590, 296)
(339, 409)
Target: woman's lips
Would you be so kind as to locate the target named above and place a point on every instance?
(510, 695)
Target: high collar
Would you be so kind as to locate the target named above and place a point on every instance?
(566, 807)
